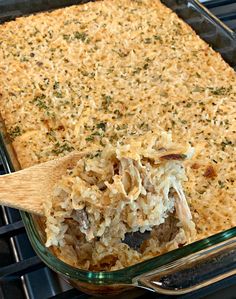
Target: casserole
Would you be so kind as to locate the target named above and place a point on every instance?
(104, 278)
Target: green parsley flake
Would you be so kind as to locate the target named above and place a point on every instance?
(15, 132)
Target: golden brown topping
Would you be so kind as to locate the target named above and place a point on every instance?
(210, 172)
(195, 166)
(173, 157)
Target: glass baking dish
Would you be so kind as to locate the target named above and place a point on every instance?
(180, 271)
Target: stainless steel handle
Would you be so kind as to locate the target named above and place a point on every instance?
(192, 272)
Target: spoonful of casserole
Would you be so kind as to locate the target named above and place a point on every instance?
(119, 193)
(107, 194)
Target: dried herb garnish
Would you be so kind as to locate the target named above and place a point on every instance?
(144, 126)
(226, 143)
(82, 36)
(61, 148)
(14, 132)
(220, 90)
(39, 102)
(106, 100)
(66, 37)
(58, 94)
(89, 138)
(56, 85)
(94, 155)
(221, 184)
(118, 113)
(101, 125)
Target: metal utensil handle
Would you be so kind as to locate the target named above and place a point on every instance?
(194, 271)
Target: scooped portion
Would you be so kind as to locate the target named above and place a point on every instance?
(133, 187)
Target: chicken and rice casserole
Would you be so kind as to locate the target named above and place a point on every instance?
(151, 103)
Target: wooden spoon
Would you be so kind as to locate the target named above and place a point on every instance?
(29, 188)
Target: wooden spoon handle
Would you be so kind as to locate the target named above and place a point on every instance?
(17, 190)
(29, 188)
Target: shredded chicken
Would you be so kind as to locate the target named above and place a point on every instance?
(126, 189)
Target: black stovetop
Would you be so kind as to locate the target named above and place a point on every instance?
(24, 276)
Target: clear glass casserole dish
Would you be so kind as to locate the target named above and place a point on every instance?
(177, 272)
